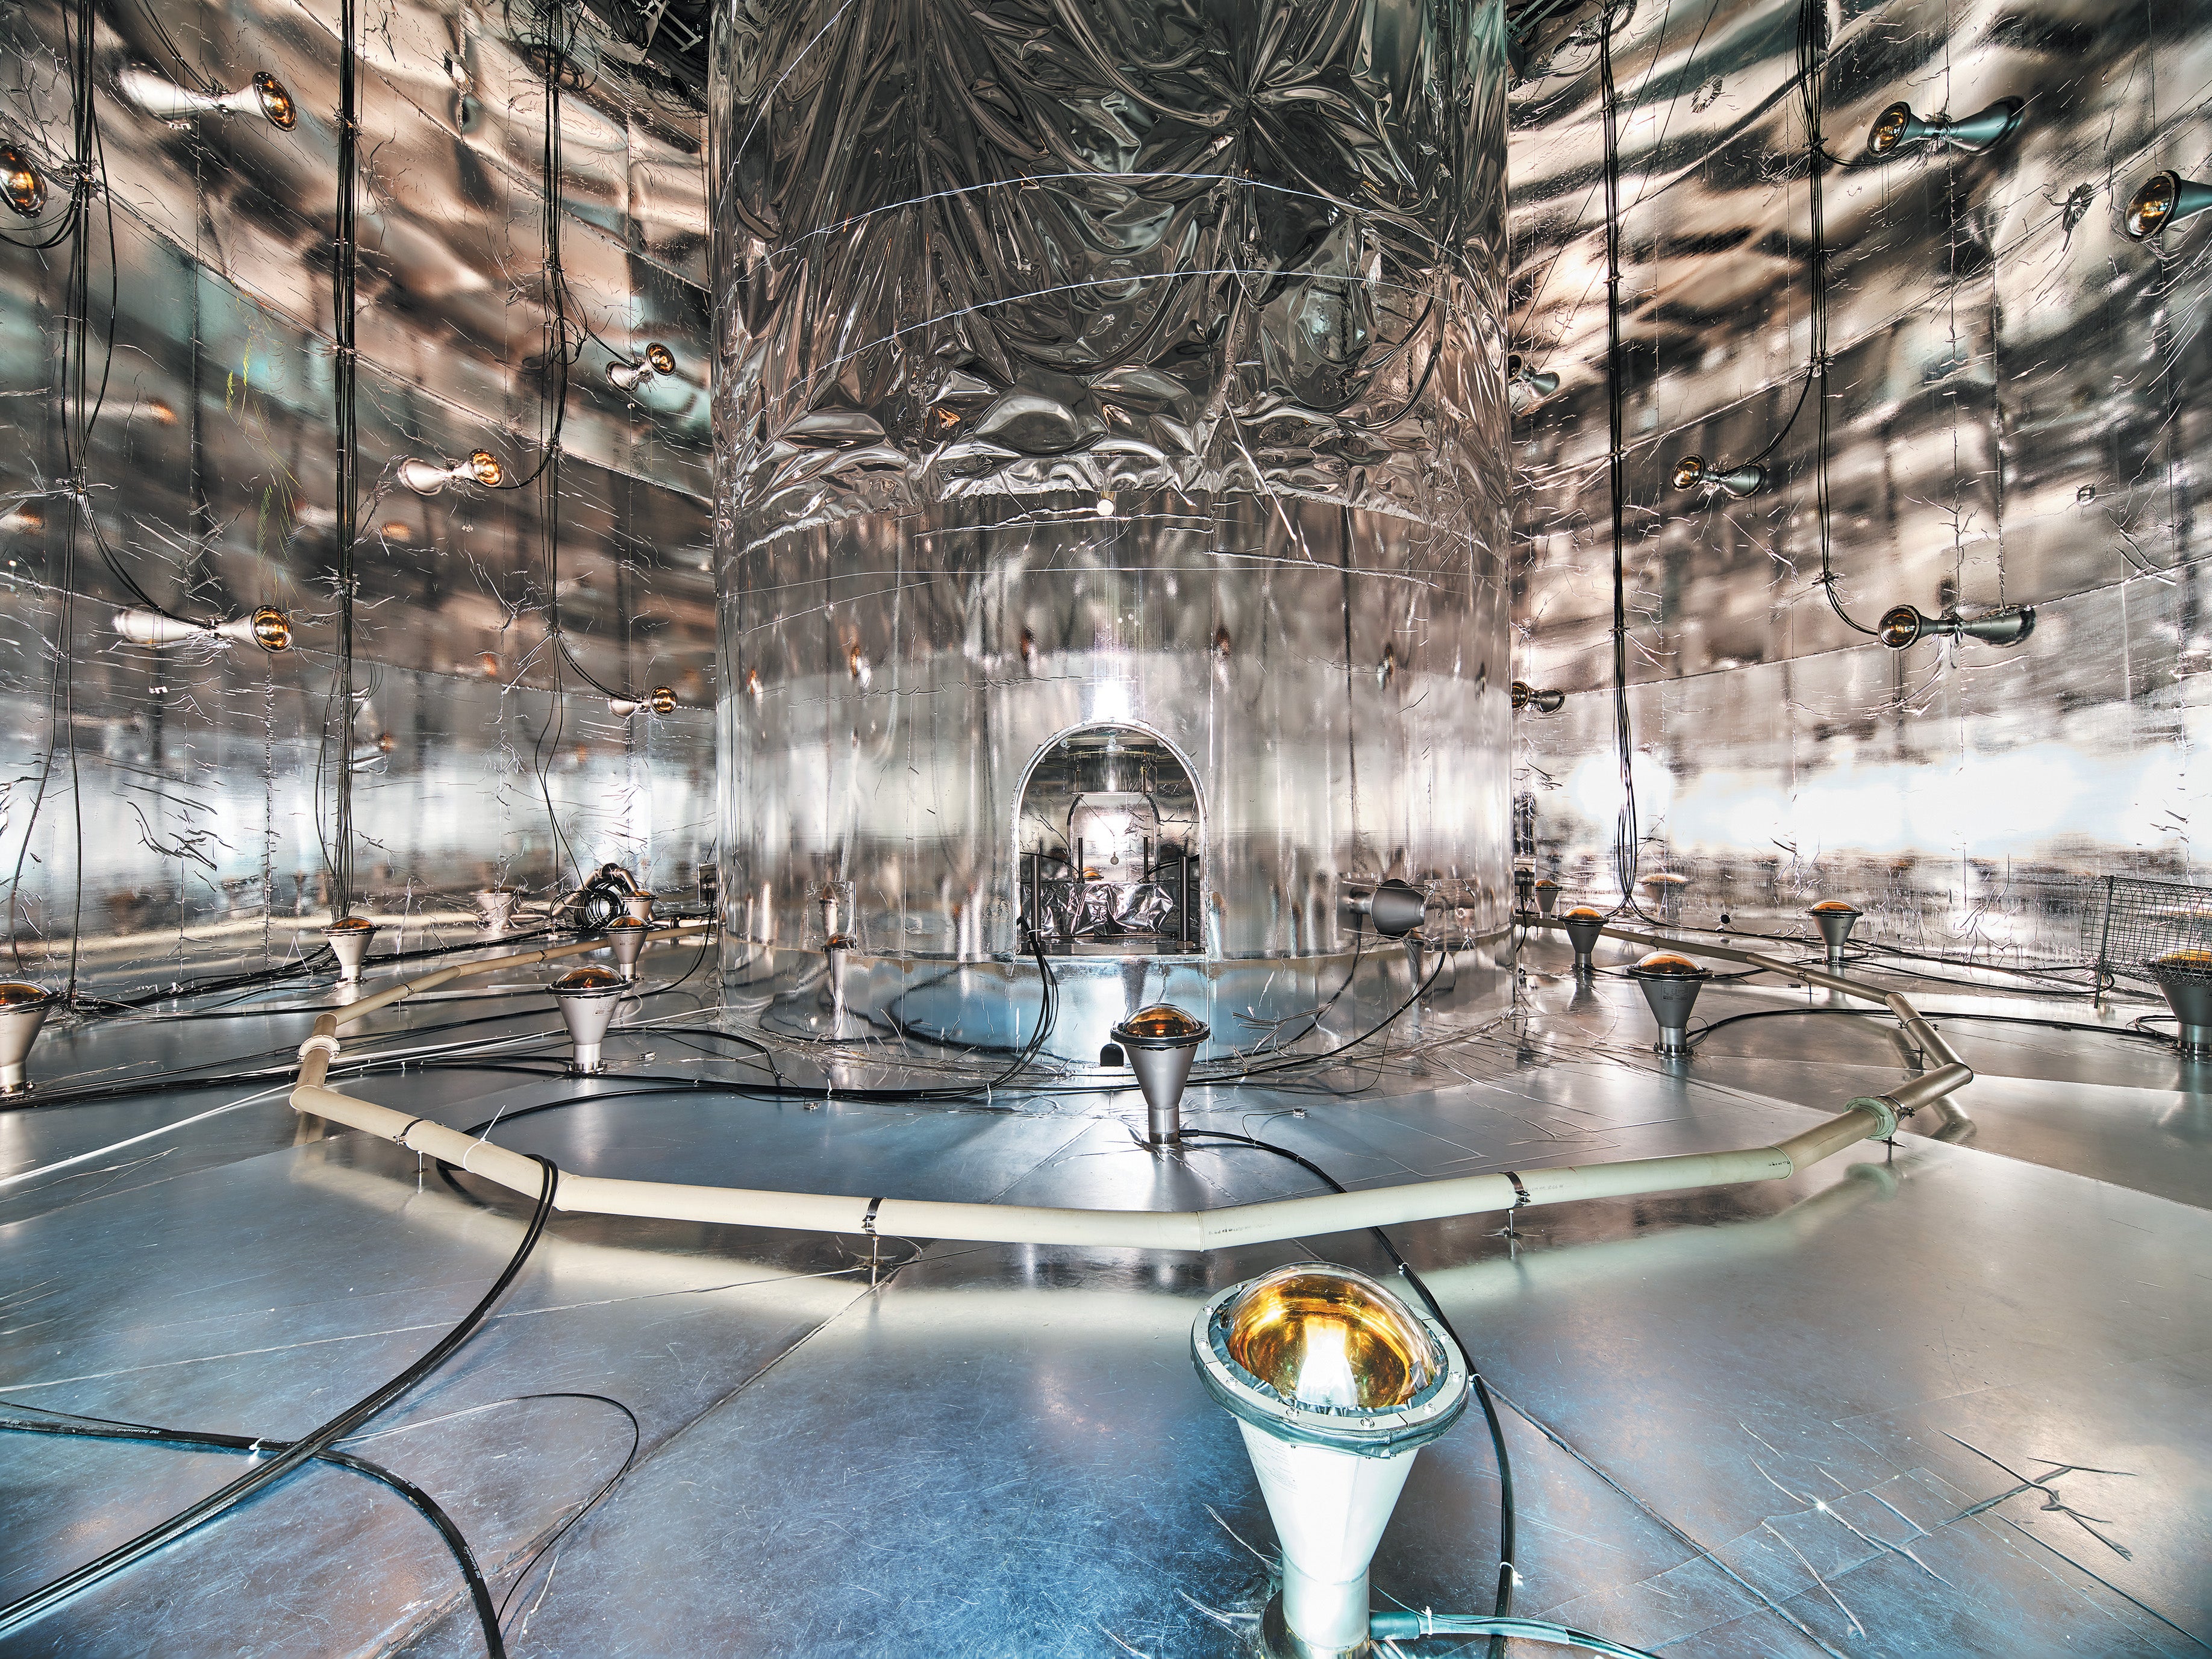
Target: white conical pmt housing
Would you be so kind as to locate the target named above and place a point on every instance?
(22, 1010)
(626, 937)
(1335, 1383)
(349, 941)
(588, 997)
(1161, 1043)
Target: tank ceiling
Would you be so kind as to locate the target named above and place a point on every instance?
(1084, 369)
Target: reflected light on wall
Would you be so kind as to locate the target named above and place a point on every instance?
(1594, 788)
(2012, 803)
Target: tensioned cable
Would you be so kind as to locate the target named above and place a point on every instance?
(345, 363)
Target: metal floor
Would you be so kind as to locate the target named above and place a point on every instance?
(1942, 1399)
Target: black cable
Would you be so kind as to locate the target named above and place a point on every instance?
(2159, 1037)
(1411, 1626)
(1707, 1029)
(264, 1474)
(629, 1462)
(1358, 944)
(1333, 1054)
(457, 1545)
(1505, 1505)
(1812, 60)
(345, 363)
(1626, 840)
(317, 961)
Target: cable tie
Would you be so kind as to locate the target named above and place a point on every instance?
(1521, 1198)
(868, 1221)
(327, 1043)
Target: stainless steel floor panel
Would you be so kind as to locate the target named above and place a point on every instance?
(1752, 1402)
(1739, 1363)
(260, 1297)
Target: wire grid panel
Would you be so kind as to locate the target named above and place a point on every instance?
(2141, 921)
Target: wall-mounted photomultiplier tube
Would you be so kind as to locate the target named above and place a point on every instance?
(1149, 554)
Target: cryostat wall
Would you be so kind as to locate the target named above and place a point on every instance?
(170, 809)
(2014, 393)
(1111, 491)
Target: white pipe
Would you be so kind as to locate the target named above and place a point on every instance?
(1161, 1230)
(1271, 1222)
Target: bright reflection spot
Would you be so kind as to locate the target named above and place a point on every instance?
(2017, 802)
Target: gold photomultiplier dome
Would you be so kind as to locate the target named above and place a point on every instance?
(1163, 1023)
(1668, 964)
(588, 980)
(2151, 205)
(1834, 908)
(13, 994)
(1326, 1336)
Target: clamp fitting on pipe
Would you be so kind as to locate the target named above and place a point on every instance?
(1886, 1112)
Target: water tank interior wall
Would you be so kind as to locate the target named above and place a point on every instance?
(179, 826)
(2018, 405)
(1137, 368)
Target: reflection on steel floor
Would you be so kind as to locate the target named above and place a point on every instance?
(1931, 1398)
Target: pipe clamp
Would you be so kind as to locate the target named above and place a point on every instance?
(1884, 1113)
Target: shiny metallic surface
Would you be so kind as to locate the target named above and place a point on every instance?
(2016, 399)
(1003, 1450)
(1334, 1384)
(2185, 978)
(1161, 1043)
(1159, 388)
(23, 1009)
(1583, 925)
(177, 829)
(588, 999)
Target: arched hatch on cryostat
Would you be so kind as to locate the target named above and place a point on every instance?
(1107, 840)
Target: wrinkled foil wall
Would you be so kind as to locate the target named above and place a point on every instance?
(1225, 273)
(2019, 414)
(185, 829)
